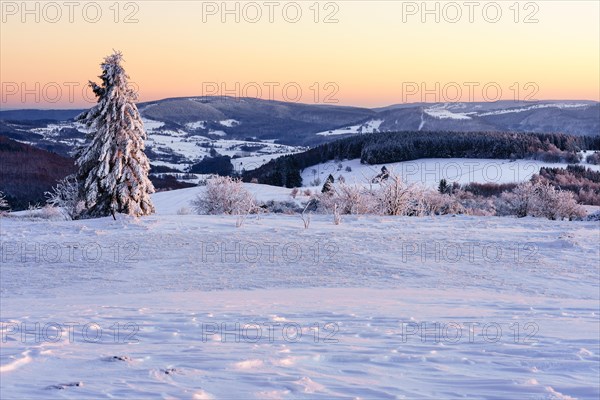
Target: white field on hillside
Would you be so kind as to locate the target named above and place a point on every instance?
(429, 171)
(191, 307)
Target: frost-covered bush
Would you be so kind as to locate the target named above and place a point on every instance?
(442, 203)
(346, 199)
(65, 197)
(397, 198)
(539, 199)
(224, 195)
(390, 197)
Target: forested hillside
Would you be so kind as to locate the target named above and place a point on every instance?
(391, 147)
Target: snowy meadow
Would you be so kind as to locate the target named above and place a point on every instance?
(191, 306)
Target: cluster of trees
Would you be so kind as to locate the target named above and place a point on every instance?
(593, 158)
(583, 182)
(166, 182)
(389, 147)
(216, 164)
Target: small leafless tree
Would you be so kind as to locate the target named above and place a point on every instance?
(306, 215)
(65, 196)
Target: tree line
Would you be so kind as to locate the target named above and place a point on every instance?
(390, 147)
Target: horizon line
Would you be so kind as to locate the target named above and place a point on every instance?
(2, 109)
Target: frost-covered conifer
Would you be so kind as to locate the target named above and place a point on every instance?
(112, 167)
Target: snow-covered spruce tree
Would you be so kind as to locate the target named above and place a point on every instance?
(112, 167)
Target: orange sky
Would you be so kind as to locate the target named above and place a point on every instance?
(377, 53)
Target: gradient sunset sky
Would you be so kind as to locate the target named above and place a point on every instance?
(369, 56)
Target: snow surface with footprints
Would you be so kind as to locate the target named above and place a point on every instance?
(340, 308)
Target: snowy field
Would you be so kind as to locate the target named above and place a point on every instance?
(191, 307)
(429, 171)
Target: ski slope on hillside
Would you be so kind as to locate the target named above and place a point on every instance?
(188, 306)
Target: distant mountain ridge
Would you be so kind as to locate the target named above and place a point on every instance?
(307, 124)
(183, 130)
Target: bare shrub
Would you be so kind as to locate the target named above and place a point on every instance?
(294, 192)
(306, 215)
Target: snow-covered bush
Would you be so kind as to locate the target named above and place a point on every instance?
(390, 197)
(224, 195)
(397, 198)
(65, 197)
(348, 200)
(561, 204)
(539, 199)
(519, 201)
(441, 204)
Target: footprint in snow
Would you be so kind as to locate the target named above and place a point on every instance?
(169, 371)
(117, 358)
(63, 386)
